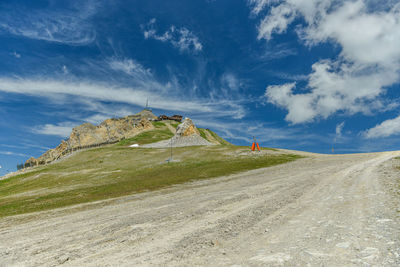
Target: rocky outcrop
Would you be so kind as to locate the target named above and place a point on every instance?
(147, 114)
(88, 135)
(53, 154)
(186, 134)
(187, 128)
(31, 162)
(109, 131)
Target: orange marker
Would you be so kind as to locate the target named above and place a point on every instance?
(253, 146)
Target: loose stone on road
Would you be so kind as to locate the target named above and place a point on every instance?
(323, 210)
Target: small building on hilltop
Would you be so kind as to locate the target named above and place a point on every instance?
(177, 118)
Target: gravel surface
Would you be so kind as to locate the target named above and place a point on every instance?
(180, 141)
(340, 210)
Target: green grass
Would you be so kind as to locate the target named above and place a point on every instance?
(398, 167)
(116, 170)
(147, 137)
(202, 133)
(175, 125)
(218, 138)
(158, 124)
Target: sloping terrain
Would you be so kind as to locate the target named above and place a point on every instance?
(119, 170)
(338, 210)
(88, 135)
(186, 134)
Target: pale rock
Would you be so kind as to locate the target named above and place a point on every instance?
(87, 135)
(187, 128)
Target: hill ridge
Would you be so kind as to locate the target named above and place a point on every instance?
(114, 130)
(88, 135)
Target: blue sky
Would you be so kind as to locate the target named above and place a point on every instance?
(302, 74)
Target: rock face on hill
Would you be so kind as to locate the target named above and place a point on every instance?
(89, 135)
(187, 134)
(187, 128)
(110, 130)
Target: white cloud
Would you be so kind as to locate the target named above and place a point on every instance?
(289, 76)
(331, 91)
(339, 129)
(15, 54)
(136, 95)
(366, 38)
(241, 131)
(62, 129)
(355, 81)
(128, 66)
(11, 153)
(267, 134)
(278, 51)
(300, 107)
(101, 100)
(229, 80)
(385, 129)
(65, 69)
(259, 5)
(101, 92)
(338, 132)
(276, 22)
(181, 38)
(69, 27)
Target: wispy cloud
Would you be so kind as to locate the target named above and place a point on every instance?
(16, 55)
(181, 38)
(134, 95)
(339, 129)
(71, 27)
(266, 134)
(124, 86)
(100, 112)
(278, 52)
(65, 69)
(288, 76)
(258, 5)
(231, 82)
(23, 145)
(101, 92)
(128, 66)
(338, 132)
(62, 129)
(11, 153)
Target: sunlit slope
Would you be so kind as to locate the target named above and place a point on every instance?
(118, 170)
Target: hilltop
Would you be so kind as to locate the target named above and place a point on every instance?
(124, 156)
(115, 130)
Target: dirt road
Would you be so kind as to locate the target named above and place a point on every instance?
(320, 211)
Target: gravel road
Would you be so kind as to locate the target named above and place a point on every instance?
(340, 210)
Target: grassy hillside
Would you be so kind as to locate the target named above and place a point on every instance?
(147, 137)
(117, 170)
(161, 132)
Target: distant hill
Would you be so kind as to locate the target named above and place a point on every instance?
(116, 170)
(130, 128)
(128, 155)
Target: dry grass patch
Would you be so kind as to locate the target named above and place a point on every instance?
(119, 170)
